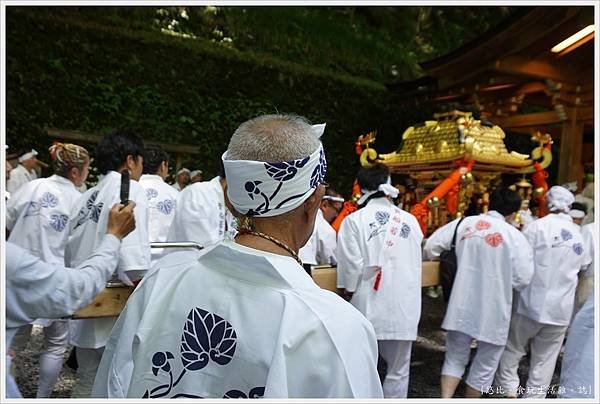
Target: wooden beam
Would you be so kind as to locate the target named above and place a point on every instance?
(527, 120)
(92, 138)
(535, 68)
(571, 143)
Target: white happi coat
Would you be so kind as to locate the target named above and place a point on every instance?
(201, 215)
(38, 217)
(259, 328)
(321, 248)
(162, 204)
(19, 176)
(37, 289)
(381, 241)
(590, 239)
(559, 255)
(88, 226)
(493, 259)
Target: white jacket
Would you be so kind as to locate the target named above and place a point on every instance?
(493, 259)
(232, 321)
(321, 248)
(37, 216)
(559, 255)
(381, 241)
(19, 176)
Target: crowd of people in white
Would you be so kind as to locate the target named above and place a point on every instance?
(242, 318)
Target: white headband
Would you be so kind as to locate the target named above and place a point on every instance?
(577, 214)
(183, 170)
(28, 155)
(333, 198)
(269, 189)
(386, 188)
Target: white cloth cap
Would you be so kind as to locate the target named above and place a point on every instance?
(264, 189)
(387, 188)
(560, 198)
(195, 172)
(183, 170)
(28, 155)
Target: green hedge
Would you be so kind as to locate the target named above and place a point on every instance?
(72, 74)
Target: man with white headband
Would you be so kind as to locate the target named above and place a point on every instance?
(242, 319)
(23, 172)
(182, 179)
(379, 264)
(321, 248)
(578, 212)
(544, 308)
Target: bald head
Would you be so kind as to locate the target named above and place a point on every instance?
(273, 138)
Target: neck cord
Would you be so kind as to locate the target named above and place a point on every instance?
(273, 240)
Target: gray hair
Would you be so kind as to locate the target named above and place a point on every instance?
(273, 138)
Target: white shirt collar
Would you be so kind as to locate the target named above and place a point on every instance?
(564, 216)
(152, 177)
(495, 214)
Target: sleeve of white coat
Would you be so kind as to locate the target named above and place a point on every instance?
(17, 179)
(116, 366)
(343, 362)
(327, 248)
(589, 237)
(135, 249)
(36, 289)
(522, 262)
(350, 259)
(440, 240)
(14, 207)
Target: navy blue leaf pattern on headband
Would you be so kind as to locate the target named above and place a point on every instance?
(58, 221)
(285, 170)
(252, 188)
(256, 392)
(318, 174)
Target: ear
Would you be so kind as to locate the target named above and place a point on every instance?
(131, 161)
(314, 201)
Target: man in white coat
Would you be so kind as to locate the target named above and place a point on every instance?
(23, 172)
(379, 263)
(162, 198)
(35, 288)
(182, 179)
(321, 248)
(545, 306)
(493, 259)
(117, 151)
(37, 217)
(260, 326)
(202, 215)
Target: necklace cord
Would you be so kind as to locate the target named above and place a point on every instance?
(274, 241)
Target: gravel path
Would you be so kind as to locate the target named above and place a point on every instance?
(426, 364)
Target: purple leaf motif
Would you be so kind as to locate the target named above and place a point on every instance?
(32, 208)
(285, 170)
(151, 193)
(578, 248)
(566, 235)
(48, 200)
(90, 202)
(382, 217)
(58, 221)
(206, 337)
(166, 206)
(404, 230)
(95, 212)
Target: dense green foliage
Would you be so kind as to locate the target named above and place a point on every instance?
(92, 69)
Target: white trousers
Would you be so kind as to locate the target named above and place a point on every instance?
(546, 341)
(88, 360)
(56, 341)
(396, 354)
(483, 367)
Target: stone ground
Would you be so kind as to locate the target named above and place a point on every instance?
(426, 365)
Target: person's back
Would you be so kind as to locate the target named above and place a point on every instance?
(243, 319)
(559, 255)
(264, 329)
(202, 215)
(493, 259)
